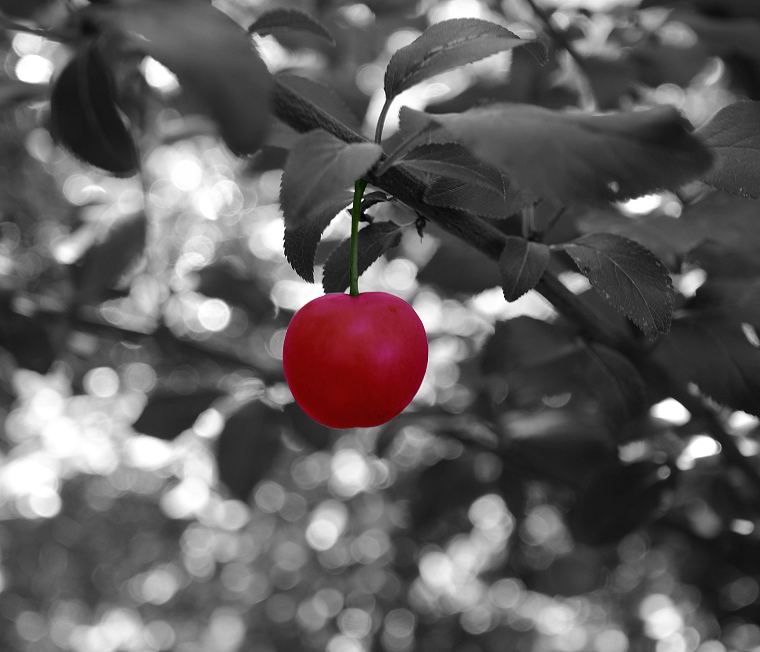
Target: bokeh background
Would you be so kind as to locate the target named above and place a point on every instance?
(160, 491)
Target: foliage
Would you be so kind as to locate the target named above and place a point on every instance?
(567, 199)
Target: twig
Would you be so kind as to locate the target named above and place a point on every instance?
(302, 115)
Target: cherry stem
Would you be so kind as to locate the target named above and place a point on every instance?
(353, 265)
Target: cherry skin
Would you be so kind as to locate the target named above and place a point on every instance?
(355, 361)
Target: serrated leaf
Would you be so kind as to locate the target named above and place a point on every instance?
(714, 353)
(319, 168)
(300, 243)
(617, 501)
(450, 160)
(211, 54)
(522, 264)
(574, 157)
(669, 238)
(733, 135)
(168, 414)
(449, 44)
(615, 382)
(495, 202)
(248, 447)
(324, 97)
(85, 118)
(374, 241)
(628, 276)
(101, 266)
(288, 19)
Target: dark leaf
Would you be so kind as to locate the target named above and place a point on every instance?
(733, 135)
(104, 263)
(222, 282)
(458, 268)
(512, 489)
(670, 239)
(286, 19)
(324, 97)
(573, 157)
(716, 354)
(737, 299)
(619, 500)
(22, 8)
(248, 446)
(616, 382)
(168, 414)
(522, 264)
(628, 276)
(319, 169)
(526, 342)
(448, 486)
(374, 241)
(453, 161)
(449, 44)
(306, 428)
(500, 201)
(26, 339)
(85, 118)
(301, 243)
(211, 54)
(560, 446)
(13, 91)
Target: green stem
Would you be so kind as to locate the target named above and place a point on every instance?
(353, 266)
(381, 121)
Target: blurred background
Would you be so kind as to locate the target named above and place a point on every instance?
(159, 490)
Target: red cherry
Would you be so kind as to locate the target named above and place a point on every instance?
(355, 361)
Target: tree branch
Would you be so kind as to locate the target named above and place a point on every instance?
(302, 115)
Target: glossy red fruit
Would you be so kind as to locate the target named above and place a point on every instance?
(355, 361)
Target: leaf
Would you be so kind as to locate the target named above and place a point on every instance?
(450, 160)
(301, 243)
(496, 202)
(319, 168)
(526, 342)
(714, 353)
(223, 282)
(85, 118)
(209, 52)
(374, 241)
(288, 19)
(26, 339)
(733, 135)
(458, 268)
(734, 298)
(670, 239)
(102, 265)
(574, 157)
(324, 97)
(560, 445)
(616, 383)
(522, 264)
(168, 414)
(449, 44)
(248, 447)
(306, 428)
(628, 276)
(618, 501)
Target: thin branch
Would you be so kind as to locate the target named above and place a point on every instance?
(302, 115)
